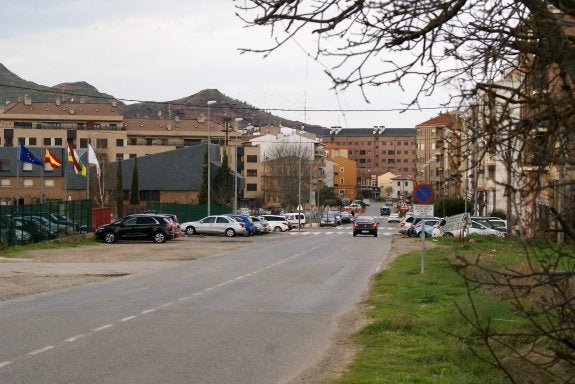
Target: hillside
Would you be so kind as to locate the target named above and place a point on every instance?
(14, 88)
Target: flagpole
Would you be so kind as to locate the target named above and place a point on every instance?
(87, 175)
(18, 177)
(65, 161)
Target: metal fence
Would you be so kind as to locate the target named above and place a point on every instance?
(24, 224)
(186, 212)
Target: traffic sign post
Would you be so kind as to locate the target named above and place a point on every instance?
(425, 196)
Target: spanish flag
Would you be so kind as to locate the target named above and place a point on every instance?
(51, 159)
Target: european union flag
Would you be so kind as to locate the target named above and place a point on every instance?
(28, 157)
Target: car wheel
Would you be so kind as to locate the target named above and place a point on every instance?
(190, 231)
(354, 234)
(448, 234)
(230, 232)
(110, 237)
(277, 229)
(375, 234)
(160, 237)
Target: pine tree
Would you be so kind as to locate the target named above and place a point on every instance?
(119, 190)
(203, 193)
(135, 190)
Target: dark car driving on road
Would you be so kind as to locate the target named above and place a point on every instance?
(365, 225)
(154, 227)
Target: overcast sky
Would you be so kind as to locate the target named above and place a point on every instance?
(165, 50)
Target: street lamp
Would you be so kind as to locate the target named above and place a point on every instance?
(209, 156)
(236, 120)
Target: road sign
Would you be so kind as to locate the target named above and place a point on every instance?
(423, 210)
(423, 194)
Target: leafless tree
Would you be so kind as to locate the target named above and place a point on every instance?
(287, 173)
(510, 66)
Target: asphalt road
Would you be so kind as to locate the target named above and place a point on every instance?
(258, 315)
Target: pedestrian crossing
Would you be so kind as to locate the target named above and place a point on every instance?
(339, 232)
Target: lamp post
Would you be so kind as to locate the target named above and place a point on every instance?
(209, 156)
(236, 121)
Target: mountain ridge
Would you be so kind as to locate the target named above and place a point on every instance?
(226, 108)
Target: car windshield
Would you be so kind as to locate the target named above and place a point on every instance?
(365, 219)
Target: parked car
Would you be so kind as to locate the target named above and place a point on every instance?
(295, 219)
(405, 224)
(261, 224)
(215, 225)
(385, 211)
(328, 219)
(246, 220)
(492, 222)
(365, 225)
(278, 223)
(142, 226)
(346, 217)
(430, 227)
(393, 218)
(337, 214)
(173, 219)
(476, 228)
(415, 222)
(57, 224)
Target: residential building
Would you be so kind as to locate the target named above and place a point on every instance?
(439, 154)
(344, 177)
(376, 151)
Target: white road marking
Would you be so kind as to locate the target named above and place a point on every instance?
(41, 350)
(5, 363)
(128, 318)
(103, 327)
(74, 338)
(148, 311)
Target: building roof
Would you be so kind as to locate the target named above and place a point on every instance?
(442, 119)
(133, 124)
(355, 132)
(61, 110)
(176, 170)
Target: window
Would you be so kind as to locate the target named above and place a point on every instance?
(119, 142)
(252, 158)
(58, 141)
(83, 143)
(119, 156)
(102, 143)
(362, 152)
(383, 152)
(252, 172)
(341, 169)
(391, 152)
(134, 141)
(49, 183)
(251, 187)
(22, 124)
(4, 165)
(4, 182)
(28, 182)
(32, 141)
(22, 140)
(27, 167)
(132, 155)
(47, 141)
(341, 181)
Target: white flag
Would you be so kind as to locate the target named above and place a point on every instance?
(92, 159)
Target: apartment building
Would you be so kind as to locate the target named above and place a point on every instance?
(376, 151)
(439, 154)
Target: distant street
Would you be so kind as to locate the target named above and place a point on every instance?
(258, 315)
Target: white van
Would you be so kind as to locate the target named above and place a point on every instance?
(294, 220)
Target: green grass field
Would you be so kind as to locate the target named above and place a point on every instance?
(417, 332)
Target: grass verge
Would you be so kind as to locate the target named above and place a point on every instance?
(415, 321)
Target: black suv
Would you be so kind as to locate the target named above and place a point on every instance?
(384, 211)
(143, 226)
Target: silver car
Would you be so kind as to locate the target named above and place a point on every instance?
(215, 225)
(261, 224)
